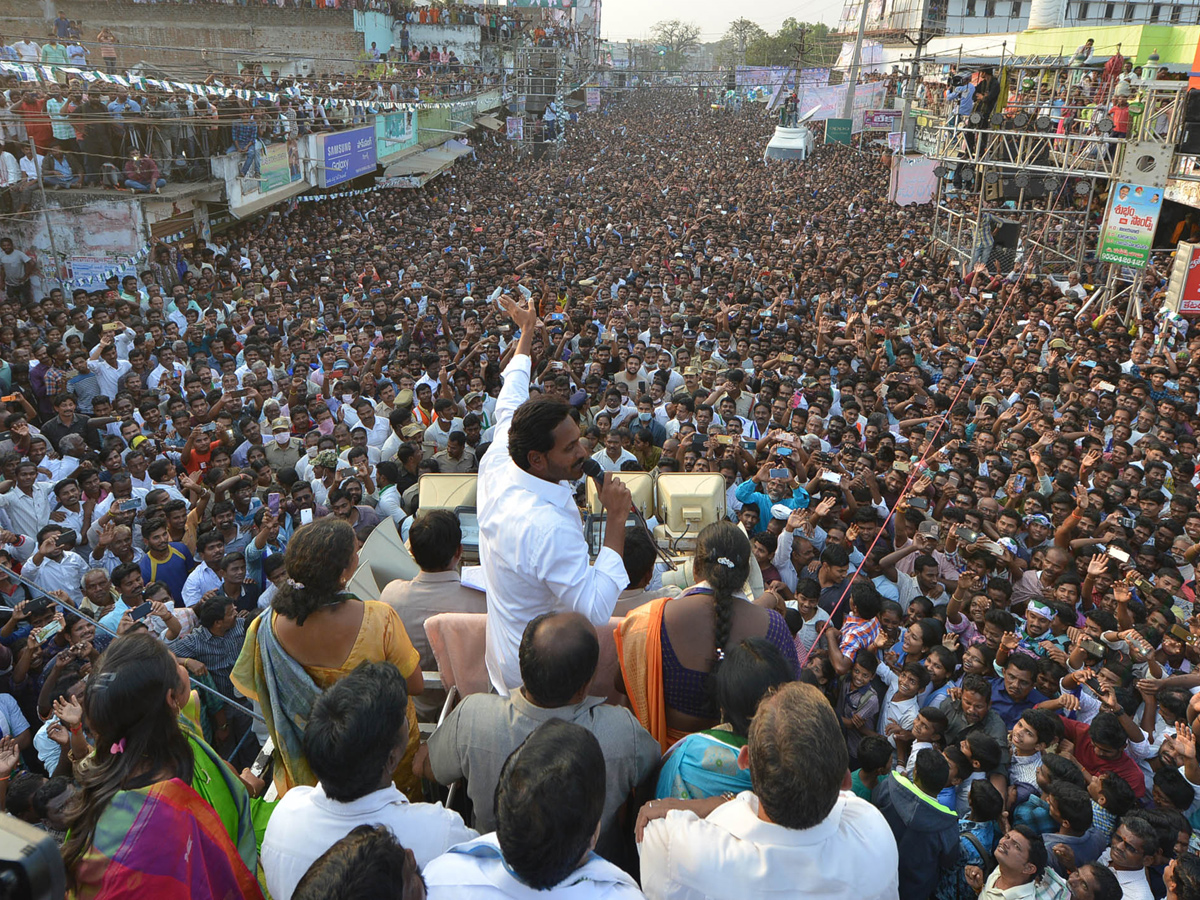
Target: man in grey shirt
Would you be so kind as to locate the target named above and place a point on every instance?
(435, 541)
(557, 657)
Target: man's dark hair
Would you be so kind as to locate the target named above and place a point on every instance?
(835, 555)
(353, 728)
(557, 656)
(931, 772)
(1177, 789)
(1038, 855)
(548, 801)
(874, 752)
(532, 428)
(1106, 731)
(1074, 804)
(212, 610)
(1118, 794)
(638, 555)
(977, 684)
(368, 862)
(798, 757)
(434, 538)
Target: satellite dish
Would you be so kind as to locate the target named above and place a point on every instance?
(808, 115)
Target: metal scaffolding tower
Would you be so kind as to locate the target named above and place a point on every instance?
(1027, 189)
(541, 79)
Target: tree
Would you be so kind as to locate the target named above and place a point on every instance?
(740, 35)
(782, 48)
(675, 38)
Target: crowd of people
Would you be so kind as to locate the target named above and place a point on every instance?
(941, 644)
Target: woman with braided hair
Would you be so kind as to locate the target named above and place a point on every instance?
(671, 648)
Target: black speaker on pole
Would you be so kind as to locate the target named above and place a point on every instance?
(1189, 136)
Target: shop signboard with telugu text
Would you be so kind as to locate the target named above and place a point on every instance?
(345, 155)
(881, 119)
(1132, 216)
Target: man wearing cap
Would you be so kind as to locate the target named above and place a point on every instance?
(283, 451)
(476, 402)
(766, 492)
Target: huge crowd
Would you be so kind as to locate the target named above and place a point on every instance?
(941, 644)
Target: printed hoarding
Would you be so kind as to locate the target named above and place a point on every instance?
(395, 132)
(1129, 224)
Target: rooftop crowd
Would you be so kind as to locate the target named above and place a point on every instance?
(942, 645)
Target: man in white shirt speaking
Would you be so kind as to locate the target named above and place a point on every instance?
(800, 833)
(531, 544)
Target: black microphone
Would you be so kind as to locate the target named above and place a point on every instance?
(595, 471)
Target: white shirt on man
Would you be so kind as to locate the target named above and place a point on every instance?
(608, 464)
(532, 549)
(734, 854)
(477, 871)
(310, 823)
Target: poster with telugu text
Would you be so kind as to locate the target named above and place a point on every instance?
(1133, 211)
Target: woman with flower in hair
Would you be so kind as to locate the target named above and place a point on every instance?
(670, 649)
(152, 774)
(315, 634)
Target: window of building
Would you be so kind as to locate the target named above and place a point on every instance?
(970, 7)
(1129, 10)
(1108, 10)
(1176, 14)
(1155, 12)
(989, 8)
(1016, 9)
(1083, 10)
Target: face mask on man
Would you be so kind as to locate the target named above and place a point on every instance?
(311, 452)
(282, 438)
(325, 427)
(643, 417)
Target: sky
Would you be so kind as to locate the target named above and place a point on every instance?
(623, 19)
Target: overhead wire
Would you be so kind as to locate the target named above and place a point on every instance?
(918, 469)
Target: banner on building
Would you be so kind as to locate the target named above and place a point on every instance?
(345, 155)
(593, 97)
(543, 4)
(881, 120)
(1129, 223)
(514, 128)
(764, 76)
(278, 166)
(395, 132)
(896, 141)
(813, 77)
(837, 131)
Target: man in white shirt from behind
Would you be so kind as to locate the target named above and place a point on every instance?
(355, 738)
(532, 549)
(548, 806)
(801, 832)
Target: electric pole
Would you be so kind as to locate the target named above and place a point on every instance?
(855, 59)
(800, 58)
